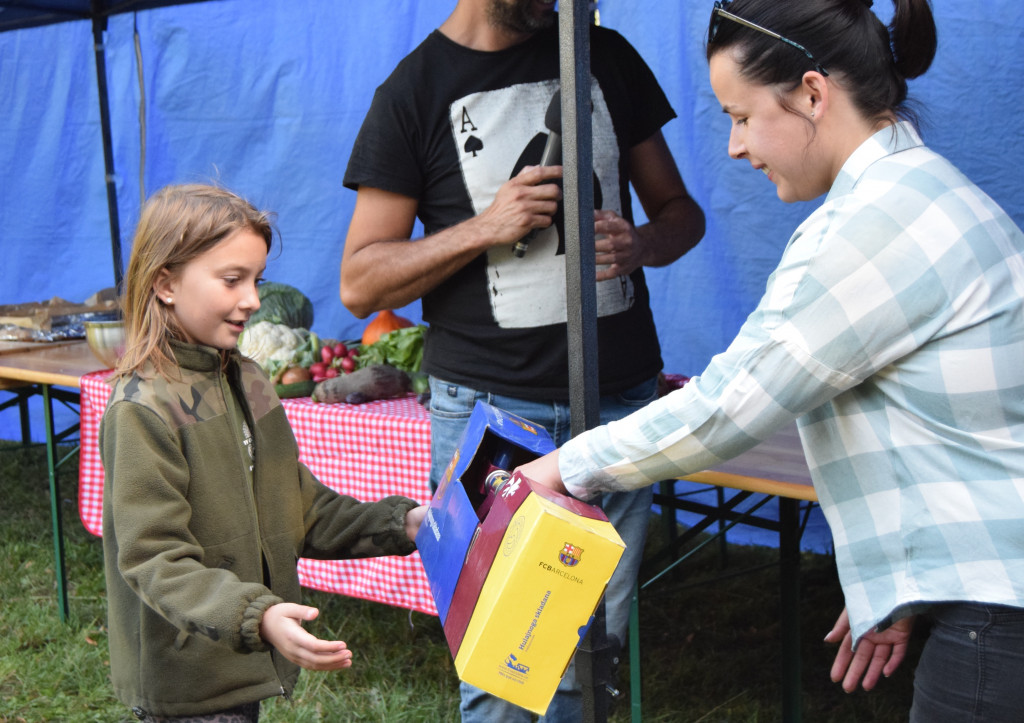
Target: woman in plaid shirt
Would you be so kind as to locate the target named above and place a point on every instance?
(892, 330)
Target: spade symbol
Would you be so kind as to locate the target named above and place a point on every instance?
(473, 144)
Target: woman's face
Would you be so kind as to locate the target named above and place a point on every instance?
(777, 141)
(215, 293)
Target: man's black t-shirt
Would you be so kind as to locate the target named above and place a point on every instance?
(449, 127)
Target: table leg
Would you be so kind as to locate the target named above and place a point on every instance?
(55, 502)
(21, 400)
(789, 599)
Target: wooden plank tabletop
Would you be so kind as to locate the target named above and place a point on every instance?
(10, 347)
(56, 364)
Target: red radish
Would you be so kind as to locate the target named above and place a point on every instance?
(340, 349)
(348, 364)
(330, 372)
(317, 369)
(326, 353)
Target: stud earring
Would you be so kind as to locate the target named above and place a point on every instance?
(170, 300)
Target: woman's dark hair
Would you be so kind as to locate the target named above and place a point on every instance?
(845, 37)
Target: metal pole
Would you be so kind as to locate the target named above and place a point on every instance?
(99, 26)
(56, 516)
(593, 670)
(580, 267)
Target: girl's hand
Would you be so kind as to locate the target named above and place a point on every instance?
(878, 653)
(413, 520)
(282, 628)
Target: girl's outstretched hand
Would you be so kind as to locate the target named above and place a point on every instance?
(878, 653)
(413, 520)
(282, 627)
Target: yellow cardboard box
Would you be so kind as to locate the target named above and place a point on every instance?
(538, 599)
(516, 573)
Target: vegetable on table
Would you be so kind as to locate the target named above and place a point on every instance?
(384, 322)
(267, 341)
(283, 304)
(401, 348)
(380, 381)
(295, 374)
(276, 347)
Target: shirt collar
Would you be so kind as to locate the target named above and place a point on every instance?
(200, 358)
(898, 137)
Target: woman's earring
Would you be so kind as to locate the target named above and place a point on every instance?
(170, 300)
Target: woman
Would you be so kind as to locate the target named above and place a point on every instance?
(892, 330)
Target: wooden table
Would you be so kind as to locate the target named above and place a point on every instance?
(776, 468)
(53, 371)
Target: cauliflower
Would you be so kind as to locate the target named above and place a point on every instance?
(266, 342)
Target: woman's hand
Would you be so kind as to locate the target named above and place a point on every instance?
(878, 653)
(281, 627)
(544, 471)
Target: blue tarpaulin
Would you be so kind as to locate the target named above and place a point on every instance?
(266, 98)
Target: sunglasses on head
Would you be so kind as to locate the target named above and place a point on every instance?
(719, 12)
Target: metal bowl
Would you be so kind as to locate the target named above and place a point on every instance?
(106, 339)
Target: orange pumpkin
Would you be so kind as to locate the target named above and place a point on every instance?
(381, 324)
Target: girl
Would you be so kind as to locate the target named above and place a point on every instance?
(892, 330)
(207, 508)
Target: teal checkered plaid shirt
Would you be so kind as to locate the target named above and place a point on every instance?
(893, 331)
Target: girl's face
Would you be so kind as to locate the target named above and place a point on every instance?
(215, 293)
(776, 140)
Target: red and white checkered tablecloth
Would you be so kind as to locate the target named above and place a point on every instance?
(368, 451)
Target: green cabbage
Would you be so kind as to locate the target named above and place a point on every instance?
(283, 304)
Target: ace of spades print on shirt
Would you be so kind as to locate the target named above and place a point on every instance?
(497, 133)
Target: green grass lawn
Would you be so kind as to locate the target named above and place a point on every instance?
(710, 643)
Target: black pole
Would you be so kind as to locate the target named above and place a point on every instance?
(99, 26)
(593, 670)
(578, 162)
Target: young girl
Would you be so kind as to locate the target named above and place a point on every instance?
(207, 507)
(892, 330)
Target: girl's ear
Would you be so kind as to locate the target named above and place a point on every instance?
(163, 285)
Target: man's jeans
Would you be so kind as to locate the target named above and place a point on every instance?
(972, 667)
(450, 407)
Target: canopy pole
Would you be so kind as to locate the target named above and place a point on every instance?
(99, 27)
(593, 670)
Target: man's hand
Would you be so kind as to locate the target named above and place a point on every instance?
(618, 245)
(281, 627)
(878, 653)
(526, 201)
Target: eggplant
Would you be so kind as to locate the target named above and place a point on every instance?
(378, 381)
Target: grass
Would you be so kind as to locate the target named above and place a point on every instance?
(710, 644)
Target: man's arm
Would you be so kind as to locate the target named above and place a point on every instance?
(675, 221)
(382, 268)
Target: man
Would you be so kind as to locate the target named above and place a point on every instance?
(453, 137)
